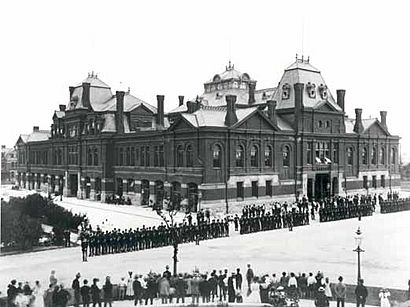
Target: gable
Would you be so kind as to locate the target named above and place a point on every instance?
(141, 110)
(376, 129)
(180, 124)
(255, 121)
(325, 106)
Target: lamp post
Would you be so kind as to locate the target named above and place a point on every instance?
(358, 250)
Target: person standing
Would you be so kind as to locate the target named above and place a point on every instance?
(321, 299)
(232, 286)
(340, 292)
(64, 296)
(238, 279)
(249, 276)
(122, 288)
(129, 292)
(361, 293)
(137, 288)
(328, 290)
(163, 289)
(107, 292)
(48, 296)
(384, 297)
(84, 246)
(96, 293)
(53, 278)
(180, 289)
(12, 293)
(85, 293)
(408, 292)
(195, 288)
(76, 287)
(38, 295)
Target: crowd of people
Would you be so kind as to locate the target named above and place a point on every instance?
(395, 205)
(97, 242)
(214, 286)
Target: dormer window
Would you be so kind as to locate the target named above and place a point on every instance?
(323, 91)
(285, 91)
(311, 90)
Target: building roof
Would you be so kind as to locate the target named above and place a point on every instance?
(301, 71)
(59, 114)
(38, 136)
(130, 103)
(230, 73)
(94, 81)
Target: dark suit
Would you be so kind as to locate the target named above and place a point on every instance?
(238, 278)
(231, 290)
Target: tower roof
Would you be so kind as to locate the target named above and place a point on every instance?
(94, 81)
(230, 73)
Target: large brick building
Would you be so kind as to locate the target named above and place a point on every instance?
(230, 146)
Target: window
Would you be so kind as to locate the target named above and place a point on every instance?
(216, 156)
(147, 156)
(161, 155)
(254, 188)
(365, 182)
(254, 156)
(132, 156)
(309, 149)
(142, 161)
(382, 156)
(189, 157)
(89, 157)
(95, 156)
(269, 188)
(156, 155)
(239, 156)
(239, 190)
(180, 156)
(364, 156)
(393, 156)
(128, 157)
(349, 156)
(383, 181)
(374, 182)
(121, 157)
(320, 124)
(322, 152)
(268, 156)
(286, 156)
(327, 124)
(374, 155)
(335, 152)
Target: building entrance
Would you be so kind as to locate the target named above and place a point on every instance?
(73, 184)
(322, 186)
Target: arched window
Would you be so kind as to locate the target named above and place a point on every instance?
(128, 156)
(180, 156)
(189, 156)
(254, 156)
(239, 156)
(95, 156)
(216, 156)
(286, 156)
(393, 155)
(364, 156)
(268, 156)
(382, 156)
(121, 157)
(349, 156)
(374, 155)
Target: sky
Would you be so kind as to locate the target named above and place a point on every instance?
(173, 47)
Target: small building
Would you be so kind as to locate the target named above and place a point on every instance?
(8, 165)
(233, 145)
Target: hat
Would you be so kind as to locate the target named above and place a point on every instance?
(280, 288)
(167, 266)
(321, 289)
(78, 275)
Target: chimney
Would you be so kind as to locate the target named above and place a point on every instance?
(358, 125)
(251, 93)
(192, 106)
(341, 99)
(298, 87)
(272, 111)
(62, 107)
(181, 100)
(85, 99)
(160, 110)
(36, 129)
(383, 115)
(119, 116)
(71, 88)
(230, 117)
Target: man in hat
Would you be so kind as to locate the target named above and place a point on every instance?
(321, 299)
(76, 287)
(249, 276)
(167, 274)
(361, 293)
(340, 291)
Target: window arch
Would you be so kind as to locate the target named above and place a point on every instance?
(239, 156)
(365, 156)
(268, 156)
(254, 156)
(189, 156)
(216, 156)
(180, 156)
(349, 156)
(382, 155)
(374, 155)
(286, 155)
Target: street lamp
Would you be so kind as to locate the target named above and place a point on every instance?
(358, 250)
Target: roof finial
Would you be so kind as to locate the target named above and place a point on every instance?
(296, 56)
(92, 73)
(302, 58)
(129, 90)
(308, 59)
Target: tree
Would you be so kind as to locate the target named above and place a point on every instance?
(168, 214)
